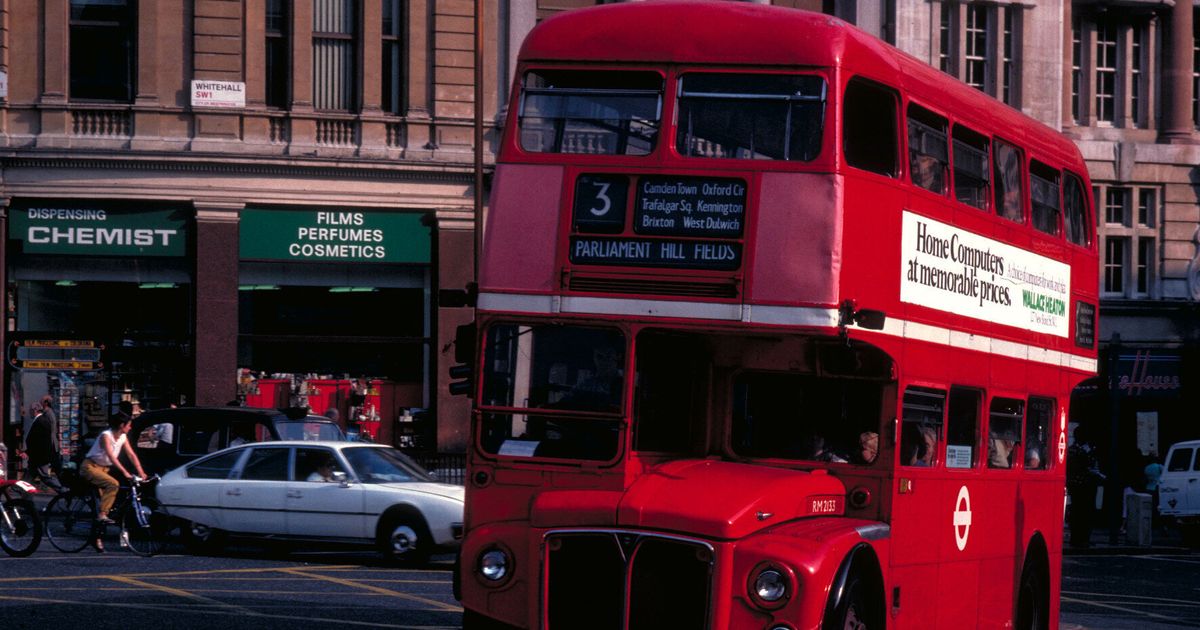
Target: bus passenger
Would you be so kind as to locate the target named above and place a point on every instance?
(920, 445)
(999, 451)
(868, 443)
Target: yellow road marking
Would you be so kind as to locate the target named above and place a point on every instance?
(373, 589)
(178, 593)
(152, 575)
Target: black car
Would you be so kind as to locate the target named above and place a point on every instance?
(166, 438)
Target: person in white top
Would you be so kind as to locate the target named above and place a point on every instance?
(105, 455)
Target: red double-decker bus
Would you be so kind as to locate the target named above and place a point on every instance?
(776, 329)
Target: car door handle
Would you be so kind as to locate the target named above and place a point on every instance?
(235, 492)
(294, 494)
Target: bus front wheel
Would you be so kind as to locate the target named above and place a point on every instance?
(851, 612)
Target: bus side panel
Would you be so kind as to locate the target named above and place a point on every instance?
(958, 610)
(870, 271)
(533, 193)
(995, 527)
(798, 251)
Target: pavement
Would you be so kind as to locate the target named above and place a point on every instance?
(1164, 539)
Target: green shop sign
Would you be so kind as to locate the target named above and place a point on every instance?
(333, 235)
(83, 231)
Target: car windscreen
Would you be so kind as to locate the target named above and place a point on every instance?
(384, 465)
(305, 430)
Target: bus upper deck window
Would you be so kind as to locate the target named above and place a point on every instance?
(970, 167)
(1079, 230)
(869, 130)
(750, 116)
(928, 152)
(1043, 188)
(593, 112)
(1009, 165)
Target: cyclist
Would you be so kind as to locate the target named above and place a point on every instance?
(105, 455)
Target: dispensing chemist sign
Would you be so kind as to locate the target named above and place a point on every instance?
(334, 235)
(81, 231)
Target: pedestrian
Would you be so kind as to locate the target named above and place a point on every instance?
(41, 447)
(1153, 474)
(1083, 478)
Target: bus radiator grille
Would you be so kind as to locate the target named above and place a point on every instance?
(626, 581)
(726, 288)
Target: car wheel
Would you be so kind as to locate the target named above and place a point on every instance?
(200, 538)
(405, 540)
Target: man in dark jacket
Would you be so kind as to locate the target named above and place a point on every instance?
(41, 445)
(1083, 479)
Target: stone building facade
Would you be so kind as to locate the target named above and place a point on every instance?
(355, 117)
(209, 201)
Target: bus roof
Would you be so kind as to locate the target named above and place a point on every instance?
(719, 32)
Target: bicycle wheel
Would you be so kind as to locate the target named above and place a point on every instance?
(144, 533)
(20, 528)
(70, 521)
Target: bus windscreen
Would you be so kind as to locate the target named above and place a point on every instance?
(591, 112)
(750, 116)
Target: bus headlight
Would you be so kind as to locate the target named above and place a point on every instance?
(770, 586)
(493, 565)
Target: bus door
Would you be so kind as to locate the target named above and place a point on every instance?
(960, 545)
(997, 515)
(915, 507)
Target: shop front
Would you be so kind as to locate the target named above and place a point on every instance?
(334, 314)
(99, 308)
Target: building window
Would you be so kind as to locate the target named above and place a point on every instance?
(334, 70)
(393, 66)
(278, 60)
(1115, 202)
(1135, 69)
(102, 41)
(1006, 71)
(944, 40)
(1076, 47)
(1130, 240)
(1112, 79)
(1196, 71)
(1114, 265)
(978, 43)
(1106, 72)
(976, 49)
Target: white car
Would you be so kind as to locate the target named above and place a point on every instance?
(327, 491)
(1179, 489)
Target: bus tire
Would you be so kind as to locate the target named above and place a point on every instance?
(851, 612)
(856, 594)
(1033, 600)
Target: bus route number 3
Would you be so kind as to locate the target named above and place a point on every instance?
(600, 202)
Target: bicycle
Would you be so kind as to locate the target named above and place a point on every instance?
(71, 518)
(20, 525)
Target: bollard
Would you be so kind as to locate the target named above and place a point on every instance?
(1138, 519)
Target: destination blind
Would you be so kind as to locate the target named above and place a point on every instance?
(713, 255)
(708, 208)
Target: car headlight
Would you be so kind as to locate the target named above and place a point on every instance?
(493, 565)
(770, 585)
